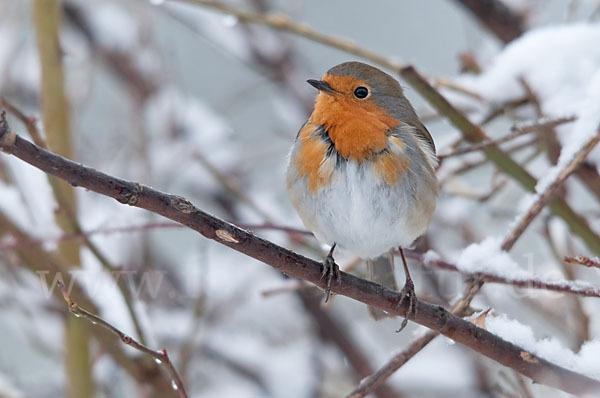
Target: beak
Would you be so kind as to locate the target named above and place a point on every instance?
(321, 86)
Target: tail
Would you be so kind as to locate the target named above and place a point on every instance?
(381, 271)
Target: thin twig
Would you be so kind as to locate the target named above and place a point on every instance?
(75, 230)
(548, 141)
(550, 191)
(503, 108)
(470, 165)
(29, 241)
(48, 264)
(370, 383)
(29, 122)
(581, 331)
(583, 260)
(160, 357)
(588, 173)
(181, 210)
(516, 132)
(331, 330)
(563, 286)
(123, 63)
(283, 22)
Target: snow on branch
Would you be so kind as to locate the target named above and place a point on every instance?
(514, 277)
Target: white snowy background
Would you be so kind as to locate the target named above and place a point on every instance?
(216, 126)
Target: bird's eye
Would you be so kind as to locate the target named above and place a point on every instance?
(361, 92)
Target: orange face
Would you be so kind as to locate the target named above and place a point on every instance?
(357, 126)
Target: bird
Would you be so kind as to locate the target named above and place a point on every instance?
(361, 173)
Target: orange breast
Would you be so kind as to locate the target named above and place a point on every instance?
(358, 128)
(311, 155)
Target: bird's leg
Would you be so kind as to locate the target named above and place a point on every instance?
(407, 294)
(330, 270)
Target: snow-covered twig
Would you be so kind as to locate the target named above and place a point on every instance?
(583, 260)
(545, 197)
(160, 357)
(181, 210)
(563, 286)
(475, 135)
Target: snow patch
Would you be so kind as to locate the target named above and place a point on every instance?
(551, 349)
(487, 256)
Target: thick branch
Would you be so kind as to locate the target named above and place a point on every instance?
(179, 209)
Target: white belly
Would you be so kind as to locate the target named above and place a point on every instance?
(361, 213)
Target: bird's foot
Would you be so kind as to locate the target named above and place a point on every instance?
(330, 271)
(407, 294)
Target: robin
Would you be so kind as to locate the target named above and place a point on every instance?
(362, 172)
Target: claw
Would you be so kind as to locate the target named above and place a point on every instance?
(408, 294)
(330, 270)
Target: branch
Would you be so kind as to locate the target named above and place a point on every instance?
(583, 260)
(55, 112)
(29, 122)
(122, 63)
(563, 286)
(30, 241)
(545, 197)
(284, 23)
(370, 383)
(497, 17)
(160, 357)
(51, 267)
(181, 210)
(588, 173)
(475, 134)
(471, 132)
(75, 229)
(475, 286)
(517, 131)
(331, 330)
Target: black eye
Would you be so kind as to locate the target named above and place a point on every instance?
(361, 92)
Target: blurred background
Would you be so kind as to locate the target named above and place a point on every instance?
(204, 104)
